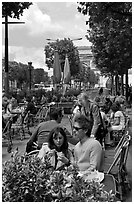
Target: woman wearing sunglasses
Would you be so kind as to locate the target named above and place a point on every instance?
(57, 149)
(88, 151)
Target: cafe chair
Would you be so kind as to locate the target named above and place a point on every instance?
(118, 167)
(6, 134)
(18, 128)
(42, 115)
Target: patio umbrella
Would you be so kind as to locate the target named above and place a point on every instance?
(56, 68)
(66, 74)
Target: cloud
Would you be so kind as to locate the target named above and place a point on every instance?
(69, 4)
(24, 55)
(78, 16)
(37, 22)
(43, 20)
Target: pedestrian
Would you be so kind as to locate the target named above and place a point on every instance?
(91, 110)
(5, 102)
(57, 149)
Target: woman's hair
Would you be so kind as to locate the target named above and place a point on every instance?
(84, 123)
(54, 132)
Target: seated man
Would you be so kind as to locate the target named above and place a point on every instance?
(39, 135)
(30, 106)
(88, 151)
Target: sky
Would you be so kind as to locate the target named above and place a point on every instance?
(54, 20)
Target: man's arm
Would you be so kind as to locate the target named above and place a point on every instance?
(95, 157)
(96, 119)
(32, 139)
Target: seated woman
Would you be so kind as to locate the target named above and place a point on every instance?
(30, 107)
(9, 107)
(88, 151)
(118, 118)
(57, 149)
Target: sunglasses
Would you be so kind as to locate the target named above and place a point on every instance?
(77, 128)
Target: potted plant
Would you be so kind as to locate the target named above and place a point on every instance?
(31, 180)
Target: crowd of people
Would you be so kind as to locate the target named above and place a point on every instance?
(92, 122)
(84, 148)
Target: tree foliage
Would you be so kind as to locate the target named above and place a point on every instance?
(40, 76)
(110, 31)
(86, 75)
(20, 72)
(64, 47)
(14, 9)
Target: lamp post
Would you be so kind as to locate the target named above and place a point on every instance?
(6, 83)
(30, 66)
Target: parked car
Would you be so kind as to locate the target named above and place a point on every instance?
(48, 87)
(39, 86)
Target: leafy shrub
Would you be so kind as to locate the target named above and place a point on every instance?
(30, 180)
(72, 92)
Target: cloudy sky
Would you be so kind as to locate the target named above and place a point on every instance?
(55, 20)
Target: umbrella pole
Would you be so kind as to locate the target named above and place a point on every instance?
(63, 84)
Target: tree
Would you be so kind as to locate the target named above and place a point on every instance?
(14, 9)
(13, 71)
(18, 72)
(110, 31)
(24, 75)
(86, 76)
(40, 76)
(64, 47)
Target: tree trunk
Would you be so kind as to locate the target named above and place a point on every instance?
(126, 94)
(116, 84)
(112, 85)
(122, 85)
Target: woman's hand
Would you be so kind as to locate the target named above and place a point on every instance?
(63, 159)
(51, 153)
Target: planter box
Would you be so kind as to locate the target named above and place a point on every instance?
(67, 106)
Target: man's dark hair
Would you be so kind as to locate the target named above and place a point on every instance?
(100, 91)
(55, 113)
